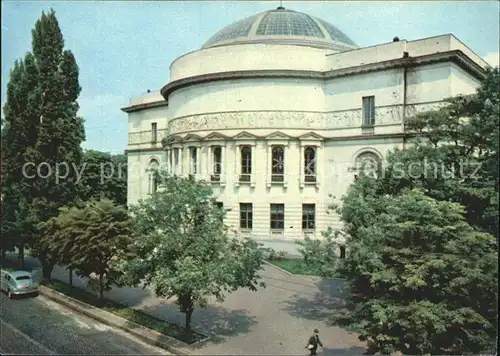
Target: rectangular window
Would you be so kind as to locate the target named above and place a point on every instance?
(278, 164)
(308, 216)
(277, 216)
(368, 110)
(246, 163)
(246, 215)
(216, 163)
(154, 132)
(194, 159)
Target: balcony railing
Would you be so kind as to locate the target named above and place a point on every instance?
(310, 178)
(245, 178)
(277, 178)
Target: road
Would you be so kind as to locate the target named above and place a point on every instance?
(37, 325)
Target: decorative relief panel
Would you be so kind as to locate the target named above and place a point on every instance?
(388, 115)
(282, 119)
(136, 138)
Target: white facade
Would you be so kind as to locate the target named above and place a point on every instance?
(263, 95)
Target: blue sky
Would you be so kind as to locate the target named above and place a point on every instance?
(125, 48)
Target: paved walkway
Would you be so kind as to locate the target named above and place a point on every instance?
(276, 320)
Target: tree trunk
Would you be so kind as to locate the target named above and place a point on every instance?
(20, 255)
(187, 307)
(70, 279)
(189, 313)
(47, 266)
(101, 290)
(47, 272)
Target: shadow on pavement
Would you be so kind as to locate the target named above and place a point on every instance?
(326, 304)
(212, 321)
(352, 351)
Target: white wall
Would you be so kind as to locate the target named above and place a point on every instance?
(461, 82)
(137, 177)
(247, 57)
(345, 93)
(247, 94)
(428, 83)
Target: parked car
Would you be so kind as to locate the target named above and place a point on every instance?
(17, 283)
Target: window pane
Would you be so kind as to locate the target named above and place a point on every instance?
(309, 161)
(154, 132)
(278, 160)
(246, 215)
(308, 216)
(194, 160)
(246, 160)
(277, 216)
(217, 160)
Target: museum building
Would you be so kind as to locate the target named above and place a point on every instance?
(280, 111)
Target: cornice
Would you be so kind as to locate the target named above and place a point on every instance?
(456, 56)
(149, 149)
(324, 139)
(139, 107)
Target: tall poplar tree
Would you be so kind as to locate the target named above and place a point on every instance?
(43, 108)
(19, 128)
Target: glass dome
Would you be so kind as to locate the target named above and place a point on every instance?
(282, 26)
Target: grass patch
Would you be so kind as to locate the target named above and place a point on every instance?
(164, 327)
(296, 266)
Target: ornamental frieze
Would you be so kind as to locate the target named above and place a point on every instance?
(276, 120)
(282, 120)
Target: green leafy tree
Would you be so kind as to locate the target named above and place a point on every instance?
(455, 156)
(184, 250)
(421, 264)
(91, 239)
(19, 133)
(104, 175)
(322, 255)
(42, 111)
(421, 279)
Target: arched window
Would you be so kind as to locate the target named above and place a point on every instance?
(246, 163)
(368, 164)
(310, 164)
(278, 164)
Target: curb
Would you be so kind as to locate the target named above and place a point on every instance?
(281, 269)
(147, 335)
(300, 275)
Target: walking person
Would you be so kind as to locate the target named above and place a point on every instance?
(313, 343)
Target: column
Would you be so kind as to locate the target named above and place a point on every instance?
(269, 165)
(320, 164)
(182, 161)
(238, 161)
(167, 160)
(209, 162)
(301, 166)
(198, 161)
